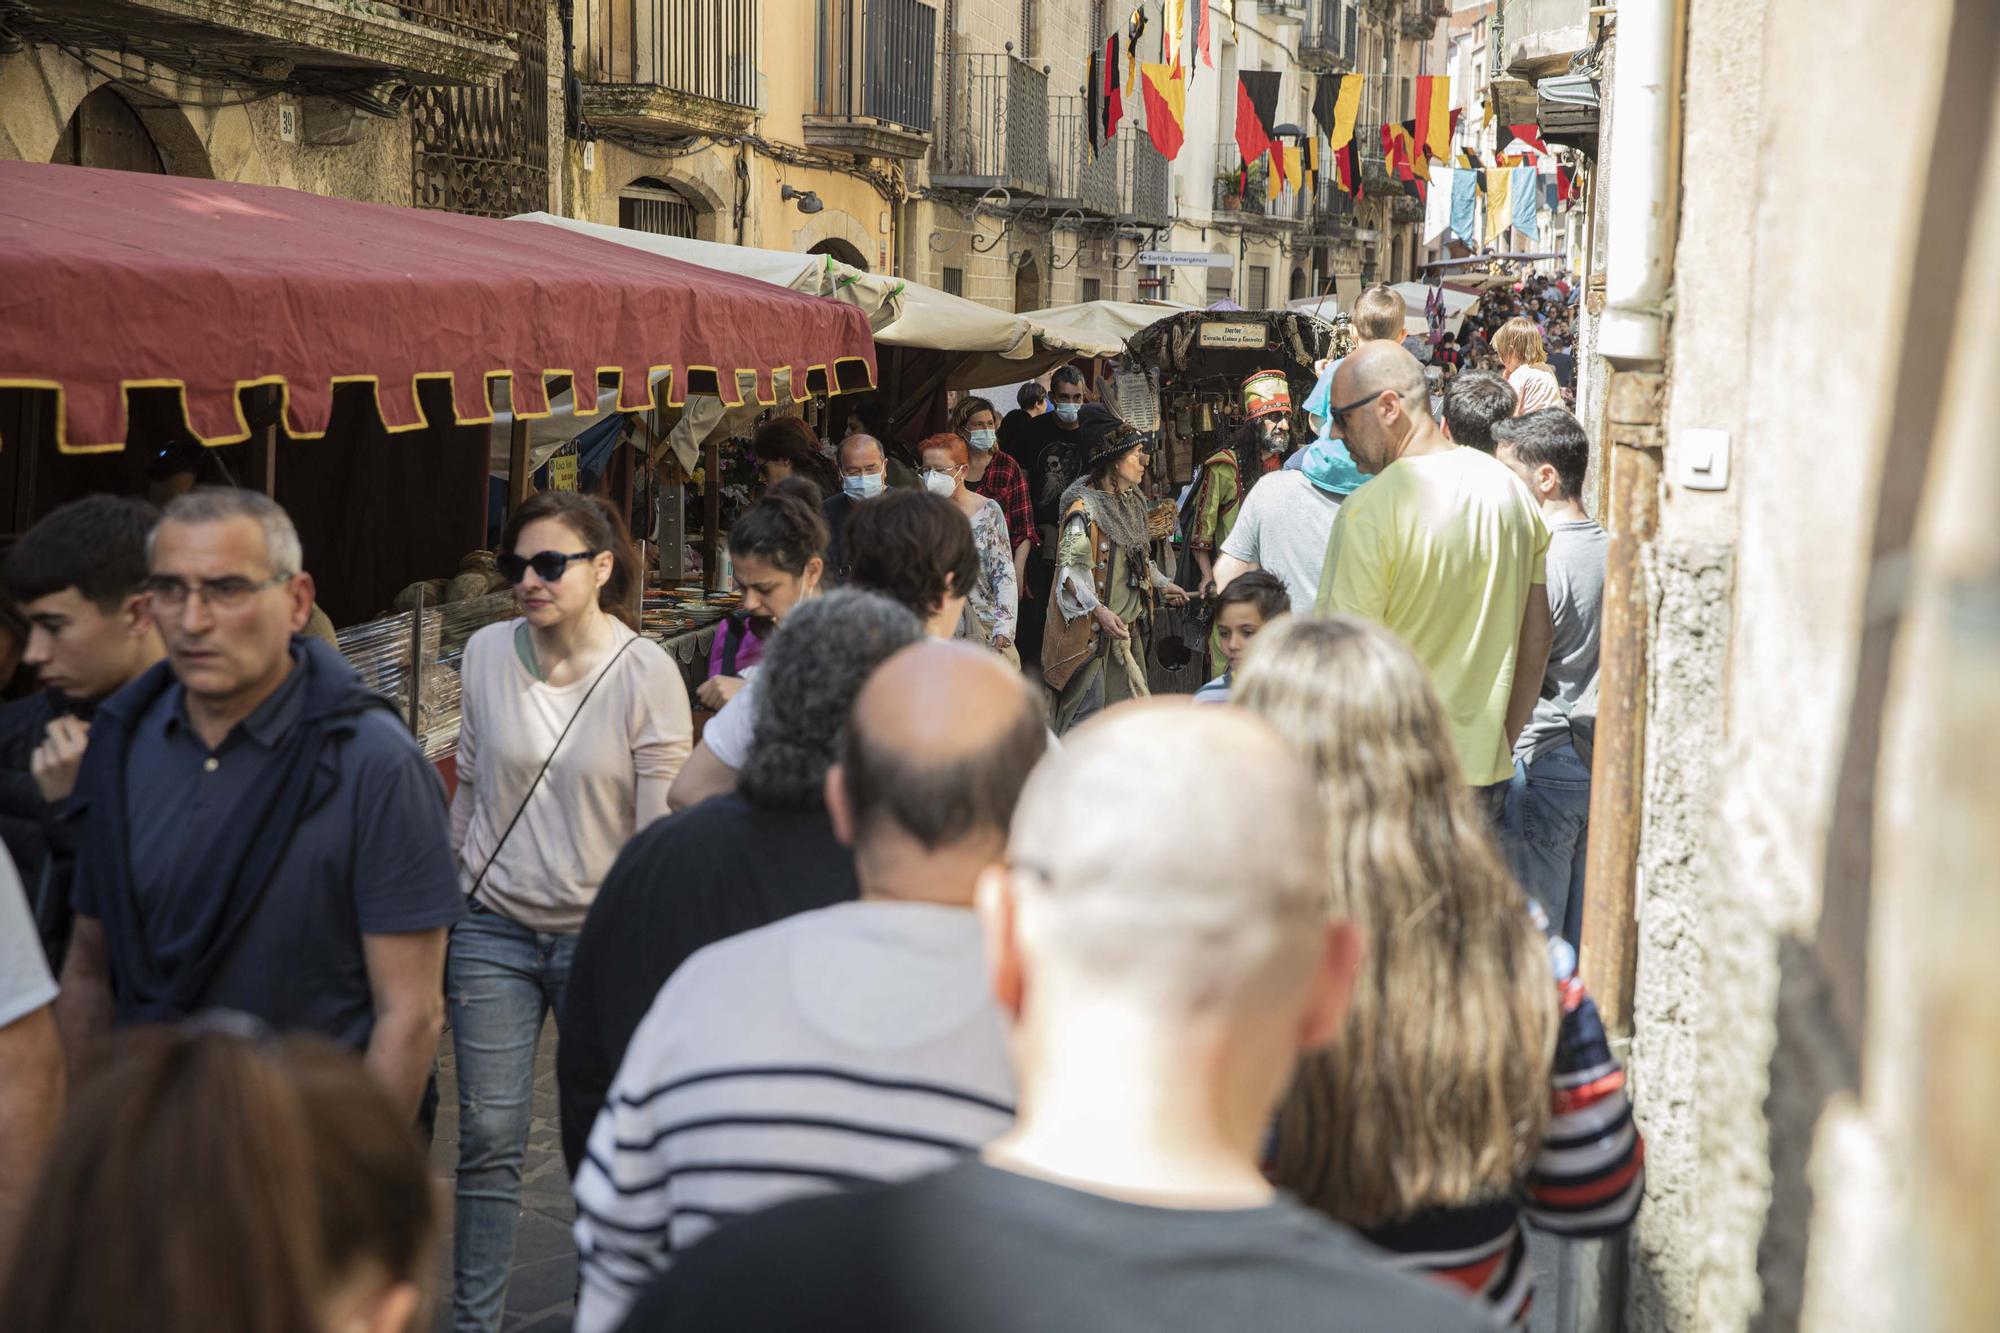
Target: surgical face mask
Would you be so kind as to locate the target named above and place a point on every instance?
(984, 440)
(864, 487)
(1066, 412)
(940, 483)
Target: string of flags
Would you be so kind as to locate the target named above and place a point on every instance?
(1417, 152)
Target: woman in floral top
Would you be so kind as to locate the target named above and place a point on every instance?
(990, 608)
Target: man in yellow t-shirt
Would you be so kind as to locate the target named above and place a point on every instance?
(1446, 548)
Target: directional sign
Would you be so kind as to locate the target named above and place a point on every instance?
(1185, 259)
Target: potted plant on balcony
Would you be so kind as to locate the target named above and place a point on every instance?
(1228, 199)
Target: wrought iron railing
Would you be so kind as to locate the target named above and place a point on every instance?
(1331, 35)
(485, 149)
(1146, 195)
(998, 127)
(484, 19)
(706, 48)
(893, 45)
(1237, 190)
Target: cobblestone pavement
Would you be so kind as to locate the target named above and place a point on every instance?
(541, 1294)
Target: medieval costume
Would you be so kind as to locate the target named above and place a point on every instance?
(1218, 494)
(1102, 559)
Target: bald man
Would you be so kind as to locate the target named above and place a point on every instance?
(1445, 547)
(853, 1044)
(864, 475)
(1158, 992)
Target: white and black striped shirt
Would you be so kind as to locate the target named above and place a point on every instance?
(840, 1047)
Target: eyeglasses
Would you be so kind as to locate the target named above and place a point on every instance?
(224, 594)
(549, 566)
(1337, 415)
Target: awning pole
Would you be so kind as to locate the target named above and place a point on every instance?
(518, 475)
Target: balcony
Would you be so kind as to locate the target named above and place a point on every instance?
(1419, 19)
(1376, 178)
(1539, 36)
(874, 64)
(1078, 178)
(329, 45)
(1145, 182)
(1328, 212)
(1331, 36)
(997, 134)
(668, 67)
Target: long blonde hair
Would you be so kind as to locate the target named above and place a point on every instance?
(1520, 340)
(1436, 1091)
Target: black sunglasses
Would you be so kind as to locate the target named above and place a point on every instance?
(1338, 415)
(549, 566)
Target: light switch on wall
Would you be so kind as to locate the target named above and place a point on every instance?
(1702, 460)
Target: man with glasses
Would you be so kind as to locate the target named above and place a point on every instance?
(256, 829)
(1444, 547)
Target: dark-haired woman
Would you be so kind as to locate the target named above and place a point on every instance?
(573, 730)
(778, 552)
(786, 447)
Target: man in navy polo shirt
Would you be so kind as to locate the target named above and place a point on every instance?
(259, 831)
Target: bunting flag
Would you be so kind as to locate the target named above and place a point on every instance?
(1465, 206)
(1431, 130)
(1498, 212)
(1563, 186)
(1336, 100)
(1201, 36)
(1166, 107)
(1173, 29)
(1467, 158)
(1414, 155)
(1437, 208)
(1274, 176)
(1524, 197)
(1530, 135)
(1312, 167)
(1456, 113)
(1256, 111)
(1093, 89)
(1114, 101)
(1135, 28)
(1486, 110)
(1294, 167)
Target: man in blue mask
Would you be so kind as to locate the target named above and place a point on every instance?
(1287, 519)
(1053, 447)
(864, 474)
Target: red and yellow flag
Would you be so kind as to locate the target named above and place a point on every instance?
(1166, 107)
(1433, 128)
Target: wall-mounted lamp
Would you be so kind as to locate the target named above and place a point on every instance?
(808, 199)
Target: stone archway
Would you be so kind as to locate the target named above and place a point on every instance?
(660, 207)
(105, 131)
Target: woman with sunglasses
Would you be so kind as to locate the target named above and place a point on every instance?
(994, 600)
(572, 731)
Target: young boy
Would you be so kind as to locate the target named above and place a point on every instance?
(1250, 602)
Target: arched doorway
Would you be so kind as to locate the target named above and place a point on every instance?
(1027, 285)
(653, 205)
(845, 251)
(106, 132)
(1299, 288)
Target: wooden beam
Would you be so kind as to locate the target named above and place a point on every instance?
(519, 477)
(711, 510)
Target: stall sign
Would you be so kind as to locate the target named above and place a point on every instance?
(1231, 333)
(562, 472)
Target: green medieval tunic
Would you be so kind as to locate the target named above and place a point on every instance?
(1102, 546)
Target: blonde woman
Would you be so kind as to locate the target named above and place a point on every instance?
(1473, 1082)
(1522, 359)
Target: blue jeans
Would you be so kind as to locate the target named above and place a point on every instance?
(1548, 834)
(501, 980)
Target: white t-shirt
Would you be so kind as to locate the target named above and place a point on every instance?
(729, 733)
(1284, 527)
(636, 726)
(25, 983)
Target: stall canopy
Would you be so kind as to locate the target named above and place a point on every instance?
(995, 344)
(111, 280)
(1456, 305)
(1109, 319)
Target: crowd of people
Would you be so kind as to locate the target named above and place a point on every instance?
(888, 999)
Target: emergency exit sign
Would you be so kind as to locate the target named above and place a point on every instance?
(1185, 259)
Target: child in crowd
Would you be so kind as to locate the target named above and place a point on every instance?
(1251, 601)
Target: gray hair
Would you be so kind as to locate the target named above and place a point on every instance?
(1474, 403)
(216, 504)
(815, 667)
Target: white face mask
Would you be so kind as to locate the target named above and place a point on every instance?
(940, 483)
(864, 487)
(1066, 412)
(984, 440)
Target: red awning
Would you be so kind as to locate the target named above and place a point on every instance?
(112, 280)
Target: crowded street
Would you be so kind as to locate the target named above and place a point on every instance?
(991, 665)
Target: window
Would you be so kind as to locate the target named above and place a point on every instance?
(954, 281)
(1221, 282)
(1259, 288)
(1093, 289)
(655, 206)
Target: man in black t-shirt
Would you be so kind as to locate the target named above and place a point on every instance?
(1159, 992)
(1050, 449)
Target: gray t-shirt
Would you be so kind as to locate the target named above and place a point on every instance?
(1285, 525)
(1576, 605)
(25, 983)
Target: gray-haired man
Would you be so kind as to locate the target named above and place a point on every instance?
(259, 831)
